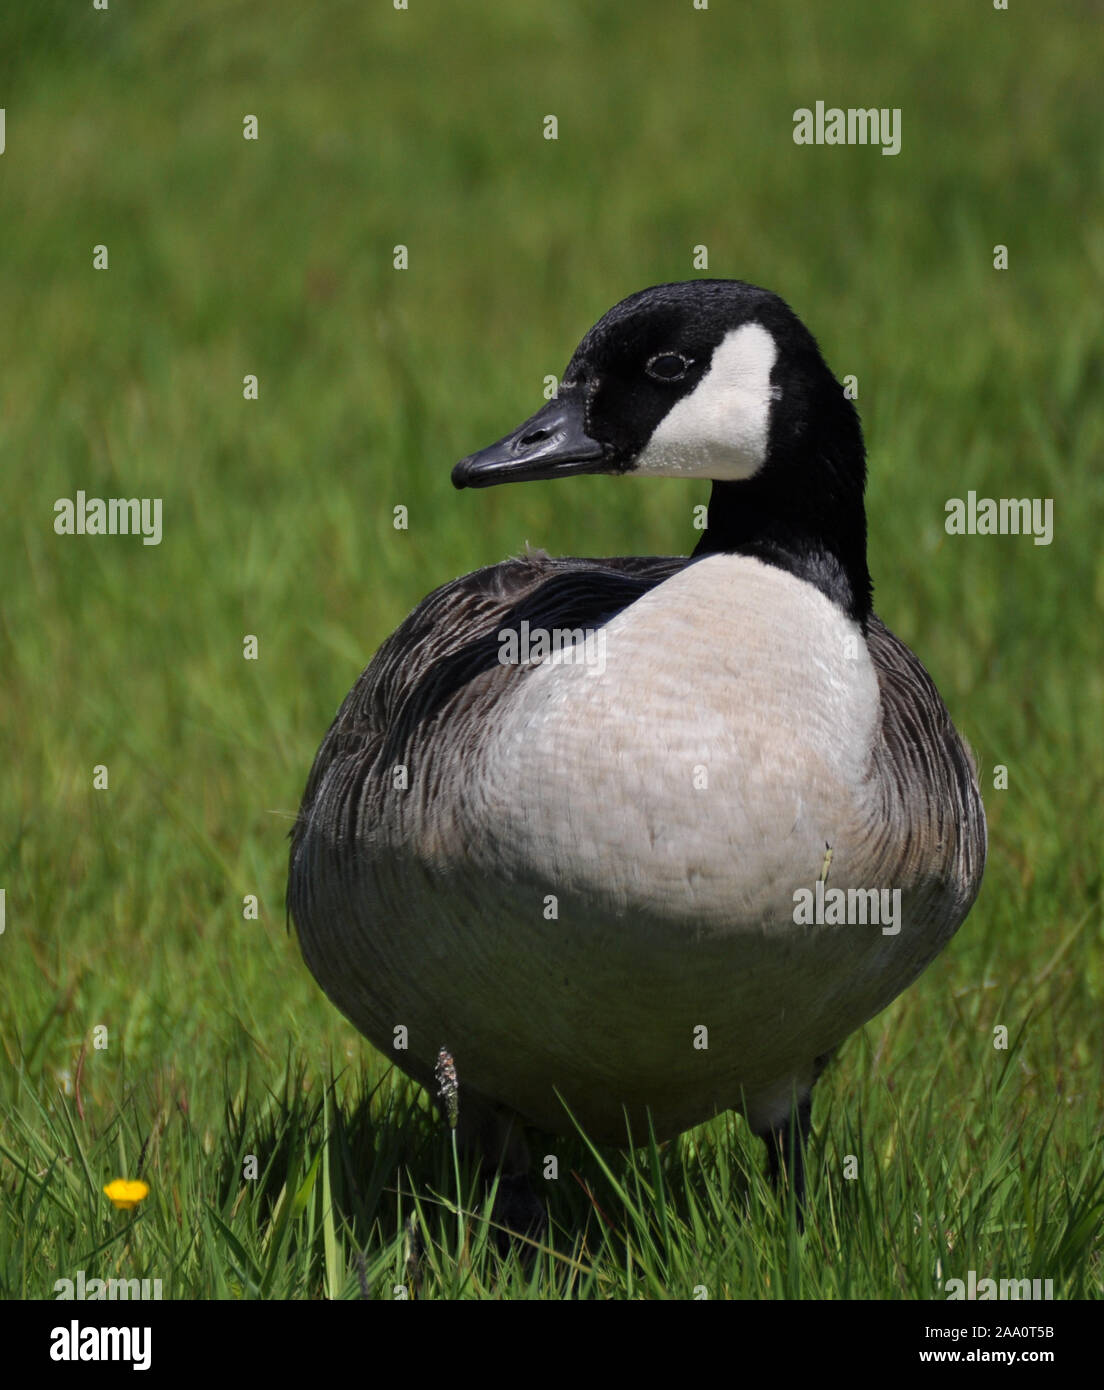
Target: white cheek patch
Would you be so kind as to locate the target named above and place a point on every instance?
(720, 430)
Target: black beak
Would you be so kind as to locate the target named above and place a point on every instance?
(551, 444)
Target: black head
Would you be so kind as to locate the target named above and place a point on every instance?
(713, 379)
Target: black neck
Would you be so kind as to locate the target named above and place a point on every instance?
(821, 539)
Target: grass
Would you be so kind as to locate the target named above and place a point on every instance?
(124, 906)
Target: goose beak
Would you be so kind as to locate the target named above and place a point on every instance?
(553, 443)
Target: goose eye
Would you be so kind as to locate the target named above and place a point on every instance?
(668, 366)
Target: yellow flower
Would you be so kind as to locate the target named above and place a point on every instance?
(126, 1193)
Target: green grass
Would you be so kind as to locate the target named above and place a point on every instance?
(124, 906)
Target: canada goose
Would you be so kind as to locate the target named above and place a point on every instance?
(585, 876)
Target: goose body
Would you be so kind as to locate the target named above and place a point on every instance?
(581, 873)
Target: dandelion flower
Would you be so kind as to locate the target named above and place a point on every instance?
(126, 1193)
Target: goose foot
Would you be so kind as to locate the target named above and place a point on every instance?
(521, 1213)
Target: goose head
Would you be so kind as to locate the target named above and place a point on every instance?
(720, 380)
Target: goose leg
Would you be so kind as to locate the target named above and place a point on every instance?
(786, 1152)
(497, 1136)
